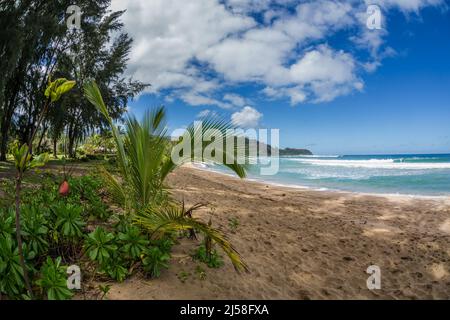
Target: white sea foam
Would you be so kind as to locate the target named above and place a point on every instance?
(375, 164)
(313, 156)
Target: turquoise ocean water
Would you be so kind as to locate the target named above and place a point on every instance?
(413, 174)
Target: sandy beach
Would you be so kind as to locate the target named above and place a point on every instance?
(302, 244)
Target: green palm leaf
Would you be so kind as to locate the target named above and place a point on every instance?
(92, 93)
(173, 218)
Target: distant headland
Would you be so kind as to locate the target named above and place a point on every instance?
(295, 152)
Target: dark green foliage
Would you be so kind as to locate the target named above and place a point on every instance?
(53, 280)
(87, 189)
(54, 226)
(6, 222)
(34, 41)
(69, 222)
(100, 245)
(165, 244)
(123, 223)
(154, 261)
(11, 276)
(115, 269)
(96, 208)
(132, 242)
(212, 258)
(58, 230)
(34, 230)
(294, 152)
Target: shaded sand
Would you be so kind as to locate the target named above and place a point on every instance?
(303, 244)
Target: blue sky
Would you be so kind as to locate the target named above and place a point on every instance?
(342, 90)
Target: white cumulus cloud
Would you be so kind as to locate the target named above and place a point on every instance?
(197, 51)
(235, 99)
(248, 117)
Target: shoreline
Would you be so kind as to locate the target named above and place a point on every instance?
(309, 188)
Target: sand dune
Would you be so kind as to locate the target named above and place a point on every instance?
(307, 244)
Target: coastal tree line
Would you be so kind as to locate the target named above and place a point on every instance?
(36, 46)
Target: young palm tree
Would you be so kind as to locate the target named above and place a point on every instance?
(144, 160)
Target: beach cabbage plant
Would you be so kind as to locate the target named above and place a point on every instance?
(133, 243)
(154, 260)
(100, 245)
(69, 221)
(11, 273)
(53, 280)
(34, 230)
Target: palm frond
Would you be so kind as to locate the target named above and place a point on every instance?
(157, 118)
(92, 93)
(235, 159)
(146, 149)
(167, 167)
(173, 218)
(114, 187)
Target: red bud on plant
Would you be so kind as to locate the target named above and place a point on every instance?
(64, 189)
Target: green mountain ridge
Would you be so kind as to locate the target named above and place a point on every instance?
(283, 152)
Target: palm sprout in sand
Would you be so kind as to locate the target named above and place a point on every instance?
(144, 161)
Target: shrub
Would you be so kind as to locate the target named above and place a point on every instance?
(44, 195)
(123, 223)
(11, 275)
(53, 280)
(6, 222)
(85, 187)
(69, 222)
(100, 245)
(165, 244)
(115, 269)
(212, 259)
(154, 261)
(133, 243)
(96, 208)
(34, 230)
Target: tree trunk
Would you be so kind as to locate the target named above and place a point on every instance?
(42, 138)
(55, 144)
(6, 125)
(72, 135)
(4, 144)
(70, 145)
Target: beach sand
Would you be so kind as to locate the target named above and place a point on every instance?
(302, 244)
